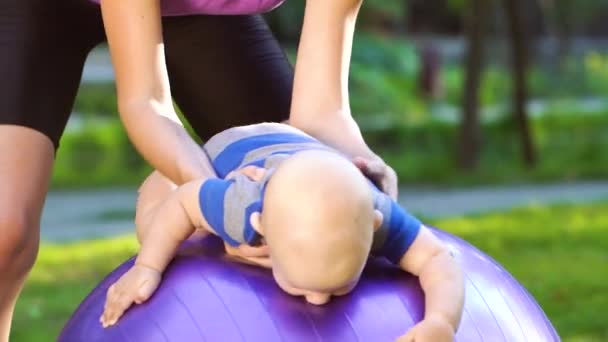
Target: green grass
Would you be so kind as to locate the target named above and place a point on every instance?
(62, 277)
(560, 253)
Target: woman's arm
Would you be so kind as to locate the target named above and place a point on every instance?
(320, 104)
(134, 33)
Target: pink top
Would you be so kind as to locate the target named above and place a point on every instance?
(217, 7)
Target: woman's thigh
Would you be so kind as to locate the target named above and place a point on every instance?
(43, 47)
(227, 71)
(26, 159)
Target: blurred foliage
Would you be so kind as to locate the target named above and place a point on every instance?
(571, 147)
(558, 253)
(562, 17)
(417, 137)
(96, 99)
(456, 5)
(385, 70)
(97, 153)
(286, 21)
(578, 16)
(596, 72)
(381, 13)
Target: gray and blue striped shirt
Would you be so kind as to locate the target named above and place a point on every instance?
(227, 204)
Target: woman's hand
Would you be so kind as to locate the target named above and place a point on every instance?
(381, 174)
(320, 104)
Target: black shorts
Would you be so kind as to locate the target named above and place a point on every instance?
(224, 70)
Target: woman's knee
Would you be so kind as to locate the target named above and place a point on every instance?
(19, 245)
(24, 175)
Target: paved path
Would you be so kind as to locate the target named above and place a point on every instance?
(79, 215)
(442, 203)
(72, 216)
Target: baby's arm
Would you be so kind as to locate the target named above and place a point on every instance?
(443, 284)
(151, 194)
(173, 221)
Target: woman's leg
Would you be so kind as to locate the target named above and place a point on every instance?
(43, 46)
(26, 158)
(227, 71)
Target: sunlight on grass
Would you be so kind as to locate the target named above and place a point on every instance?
(62, 277)
(559, 253)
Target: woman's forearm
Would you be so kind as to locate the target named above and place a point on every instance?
(134, 32)
(161, 139)
(342, 133)
(320, 104)
(323, 61)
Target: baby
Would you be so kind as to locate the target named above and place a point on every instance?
(315, 212)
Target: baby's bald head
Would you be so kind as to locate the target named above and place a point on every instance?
(318, 222)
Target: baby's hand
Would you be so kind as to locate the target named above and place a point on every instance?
(135, 286)
(251, 255)
(252, 172)
(431, 329)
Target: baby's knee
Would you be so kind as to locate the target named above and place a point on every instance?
(19, 243)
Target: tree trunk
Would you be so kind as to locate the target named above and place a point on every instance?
(519, 63)
(470, 131)
(429, 75)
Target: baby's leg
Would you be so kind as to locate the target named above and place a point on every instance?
(154, 190)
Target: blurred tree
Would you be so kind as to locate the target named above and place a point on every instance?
(565, 19)
(381, 16)
(437, 16)
(429, 74)
(476, 13)
(514, 10)
(558, 24)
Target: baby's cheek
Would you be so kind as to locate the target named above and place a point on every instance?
(290, 290)
(347, 290)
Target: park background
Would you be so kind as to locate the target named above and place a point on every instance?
(493, 113)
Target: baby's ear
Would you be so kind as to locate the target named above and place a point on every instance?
(378, 218)
(256, 222)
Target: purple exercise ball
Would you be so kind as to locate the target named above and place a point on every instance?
(205, 296)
